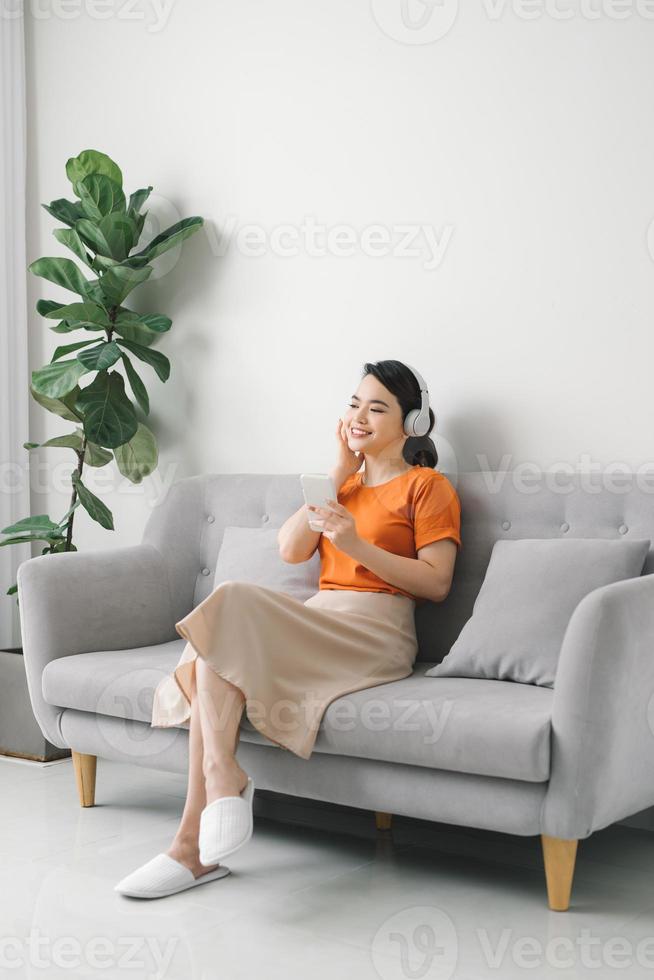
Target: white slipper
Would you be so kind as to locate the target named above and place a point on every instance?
(225, 825)
(163, 875)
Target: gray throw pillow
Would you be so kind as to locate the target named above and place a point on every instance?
(528, 595)
(251, 554)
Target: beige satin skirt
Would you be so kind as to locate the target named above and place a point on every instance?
(289, 658)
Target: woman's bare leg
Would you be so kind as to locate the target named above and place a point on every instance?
(220, 707)
(184, 847)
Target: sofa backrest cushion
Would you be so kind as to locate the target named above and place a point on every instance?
(526, 600)
(188, 523)
(251, 554)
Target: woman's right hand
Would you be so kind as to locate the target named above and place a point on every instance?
(347, 460)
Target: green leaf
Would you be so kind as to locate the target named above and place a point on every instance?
(64, 520)
(103, 262)
(69, 441)
(91, 234)
(63, 272)
(12, 590)
(69, 348)
(132, 328)
(93, 162)
(38, 522)
(61, 546)
(172, 236)
(139, 389)
(66, 326)
(135, 262)
(72, 440)
(119, 231)
(157, 322)
(95, 292)
(108, 414)
(43, 306)
(96, 455)
(64, 407)
(92, 504)
(101, 357)
(138, 199)
(153, 321)
(154, 358)
(99, 196)
(70, 238)
(120, 280)
(55, 380)
(138, 457)
(67, 211)
(30, 537)
(140, 221)
(80, 314)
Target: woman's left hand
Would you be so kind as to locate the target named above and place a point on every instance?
(338, 525)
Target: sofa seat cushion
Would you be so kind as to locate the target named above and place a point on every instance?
(486, 727)
(120, 683)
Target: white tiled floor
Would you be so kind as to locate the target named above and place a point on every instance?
(317, 890)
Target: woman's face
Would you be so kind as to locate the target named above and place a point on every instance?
(376, 410)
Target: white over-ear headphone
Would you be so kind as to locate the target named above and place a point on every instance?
(417, 421)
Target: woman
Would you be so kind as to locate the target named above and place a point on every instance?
(387, 543)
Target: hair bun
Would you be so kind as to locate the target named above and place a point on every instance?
(420, 451)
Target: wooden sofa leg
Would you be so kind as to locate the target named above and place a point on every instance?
(85, 766)
(559, 856)
(383, 820)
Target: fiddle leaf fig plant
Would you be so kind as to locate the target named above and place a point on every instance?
(84, 383)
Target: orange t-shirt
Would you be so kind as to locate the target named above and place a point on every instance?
(401, 516)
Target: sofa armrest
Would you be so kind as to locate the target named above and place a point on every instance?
(76, 602)
(603, 712)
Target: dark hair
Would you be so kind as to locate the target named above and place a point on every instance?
(402, 382)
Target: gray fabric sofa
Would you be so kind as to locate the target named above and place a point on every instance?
(562, 762)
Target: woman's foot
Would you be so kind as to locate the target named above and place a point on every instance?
(224, 778)
(187, 852)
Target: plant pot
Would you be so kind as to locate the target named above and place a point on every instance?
(20, 735)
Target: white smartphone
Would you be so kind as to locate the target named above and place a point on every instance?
(317, 487)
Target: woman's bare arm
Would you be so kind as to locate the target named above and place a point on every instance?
(428, 576)
(297, 542)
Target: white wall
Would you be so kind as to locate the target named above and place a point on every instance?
(526, 147)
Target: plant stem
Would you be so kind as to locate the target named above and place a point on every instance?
(113, 312)
(80, 465)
